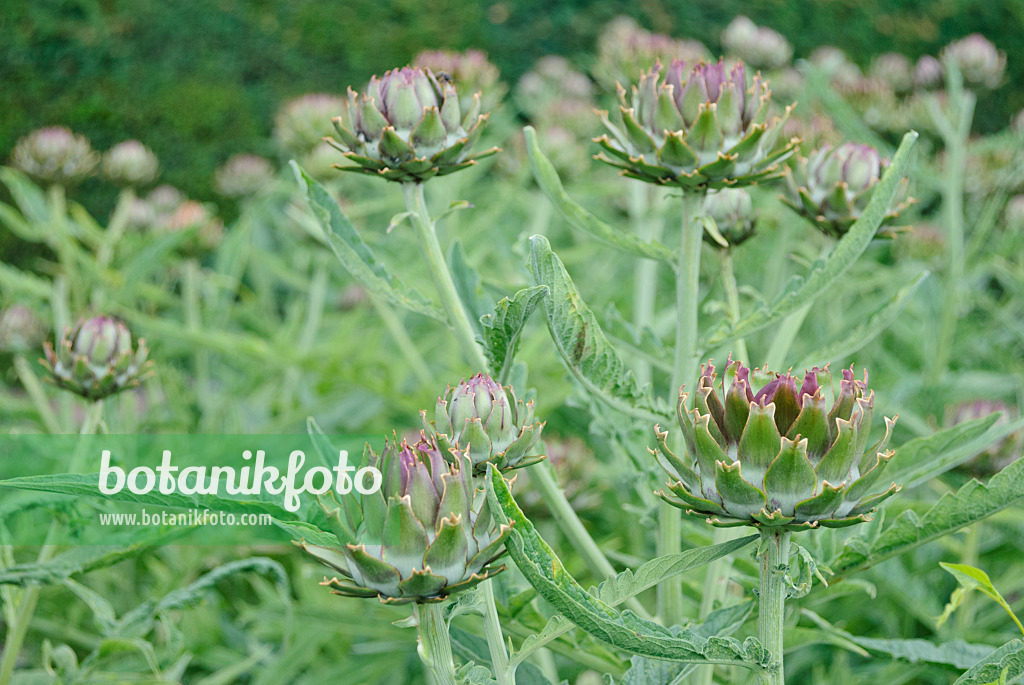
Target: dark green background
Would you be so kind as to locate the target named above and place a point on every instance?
(199, 80)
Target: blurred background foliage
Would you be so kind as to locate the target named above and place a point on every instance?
(200, 80)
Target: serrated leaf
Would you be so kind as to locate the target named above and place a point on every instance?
(580, 218)
(971, 578)
(584, 349)
(624, 630)
(824, 272)
(866, 331)
(921, 459)
(473, 648)
(1000, 667)
(354, 254)
(501, 330)
(971, 503)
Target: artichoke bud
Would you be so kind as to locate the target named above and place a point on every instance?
(696, 128)
(406, 126)
(425, 535)
(130, 163)
(96, 359)
(777, 458)
(479, 416)
(55, 155)
(833, 186)
(20, 329)
(733, 214)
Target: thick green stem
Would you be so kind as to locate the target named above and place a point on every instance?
(19, 628)
(435, 648)
(732, 299)
(684, 373)
(457, 317)
(772, 600)
(495, 640)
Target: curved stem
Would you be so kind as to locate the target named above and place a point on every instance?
(457, 317)
(684, 372)
(495, 640)
(732, 299)
(435, 648)
(774, 555)
(19, 628)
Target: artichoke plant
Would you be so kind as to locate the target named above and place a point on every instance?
(733, 213)
(55, 155)
(780, 458)
(425, 535)
(130, 163)
(478, 416)
(833, 186)
(97, 359)
(408, 126)
(699, 128)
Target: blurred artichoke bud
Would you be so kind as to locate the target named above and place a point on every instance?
(55, 155)
(471, 71)
(165, 199)
(130, 163)
(408, 126)
(778, 458)
(1013, 215)
(243, 175)
(733, 212)
(758, 46)
(301, 124)
(979, 61)
(894, 70)
(425, 535)
(477, 416)
(20, 329)
(996, 456)
(194, 217)
(833, 187)
(927, 72)
(702, 128)
(624, 50)
(96, 358)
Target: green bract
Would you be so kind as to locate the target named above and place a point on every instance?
(96, 358)
(426, 534)
(702, 128)
(408, 126)
(780, 458)
(734, 216)
(833, 187)
(477, 415)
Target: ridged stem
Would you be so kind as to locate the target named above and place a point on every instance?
(435, 648)
(495, 640)
(19, 627)
(438, 267)
(774, 556)
(684, 372)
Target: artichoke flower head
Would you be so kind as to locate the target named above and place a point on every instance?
(778, 458)
(704, 127)
(425, 535)
(96, 358)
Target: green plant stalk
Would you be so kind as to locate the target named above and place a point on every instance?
(116, 228)
(645, 273)
(955, 137)
(774, 554)
(684, 373)
(495, 640)
(732, 299)
(435, 648)
(458, 319)
(401, 338)
(34, 388)
(191, 299)
(783, 340)
(19, 628)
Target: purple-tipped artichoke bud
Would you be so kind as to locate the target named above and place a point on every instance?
(833, 186)
(243, 175)
(205, 230)
(894, 70)
(733, 214)
(424, 536)
(699, 128)
(758, 46)
(130, 163)
(494, 426)
(978, 59)
(778, 458)
(625, 50)
(97, 358)
(928, 73)
(408, 126)
(1013, 215)
(20, 329)
(470, 71)
(55, 155)
(301, 124)
(164, 199)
